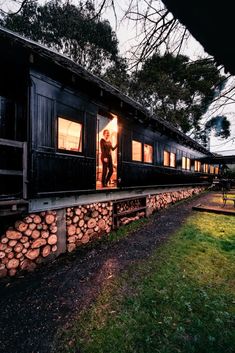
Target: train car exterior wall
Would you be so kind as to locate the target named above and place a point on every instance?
(54, 171)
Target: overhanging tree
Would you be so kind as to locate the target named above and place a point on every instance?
(73, 30)
(174, 88)
(179, 91)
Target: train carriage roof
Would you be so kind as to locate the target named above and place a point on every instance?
(212, 24)
(57, 59)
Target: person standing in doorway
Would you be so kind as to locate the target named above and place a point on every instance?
(106, 157)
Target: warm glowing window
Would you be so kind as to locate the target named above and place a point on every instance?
(205, 168)
(172, 160)
(216, 170)
(166, 160)
(197, 166)
(169, 159)
(148, 153)
(212, 169)
(136, 151)
(69, 135)
(186, 163)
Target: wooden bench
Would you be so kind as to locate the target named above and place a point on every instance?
(226, 198)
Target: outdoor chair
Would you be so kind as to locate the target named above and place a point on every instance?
(227, 197)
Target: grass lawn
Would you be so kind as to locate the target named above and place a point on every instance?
(181, 299)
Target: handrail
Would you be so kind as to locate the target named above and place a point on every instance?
(23, 171)
(11, 143)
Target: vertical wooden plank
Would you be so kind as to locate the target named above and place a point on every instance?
(25, 168)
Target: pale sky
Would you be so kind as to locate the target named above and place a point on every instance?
(127, 33)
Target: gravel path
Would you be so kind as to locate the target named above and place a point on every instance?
(35, 306)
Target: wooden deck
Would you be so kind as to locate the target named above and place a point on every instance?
(214, 203)
(214, 209)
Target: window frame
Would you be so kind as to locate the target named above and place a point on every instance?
(173, 154)
(211, 169)
(169, 159)
(197, 166)
(142, 152)
(206, 168)
(135, 160)
(147, 144)
(188, 164)
(66, 151)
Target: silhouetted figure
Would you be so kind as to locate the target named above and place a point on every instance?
(106, 157)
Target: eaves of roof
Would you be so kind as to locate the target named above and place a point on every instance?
(76, 69)
(211, 23)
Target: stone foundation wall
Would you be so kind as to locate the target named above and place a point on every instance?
(39, 238)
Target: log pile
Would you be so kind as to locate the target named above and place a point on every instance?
(127, 211)
(129, 219)
(156, 202)
(26, 244)
(129, 205)
(86, 222)
(34, 238)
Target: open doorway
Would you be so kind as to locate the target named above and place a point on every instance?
(106, 152)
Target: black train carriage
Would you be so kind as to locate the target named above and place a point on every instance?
(53, 114)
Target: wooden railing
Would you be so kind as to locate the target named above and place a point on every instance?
(22, 172)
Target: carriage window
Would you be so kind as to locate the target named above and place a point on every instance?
(169, 159)
(136, 151)
(166, 160)
(186, 163)
(148, 153)
(212, 169)
(205, 168)
(197, 166)
(216, 170)
(69, 135)
(172, 160)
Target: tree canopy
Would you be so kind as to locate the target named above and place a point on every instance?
(74, 30)
(178, 90)
(169, 85)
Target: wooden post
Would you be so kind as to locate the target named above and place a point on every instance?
(61, 232)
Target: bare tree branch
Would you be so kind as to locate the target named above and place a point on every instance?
(21, 4)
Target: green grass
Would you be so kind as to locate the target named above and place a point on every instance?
(181, 299)
(126, 230)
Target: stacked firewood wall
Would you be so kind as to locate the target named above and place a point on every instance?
(33, 238)
(130, 210)
(131, 218)
(156, 202)
(87, 222)
(129, 205)
(26, 244)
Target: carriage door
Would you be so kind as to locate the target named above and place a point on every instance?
(107, 171)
